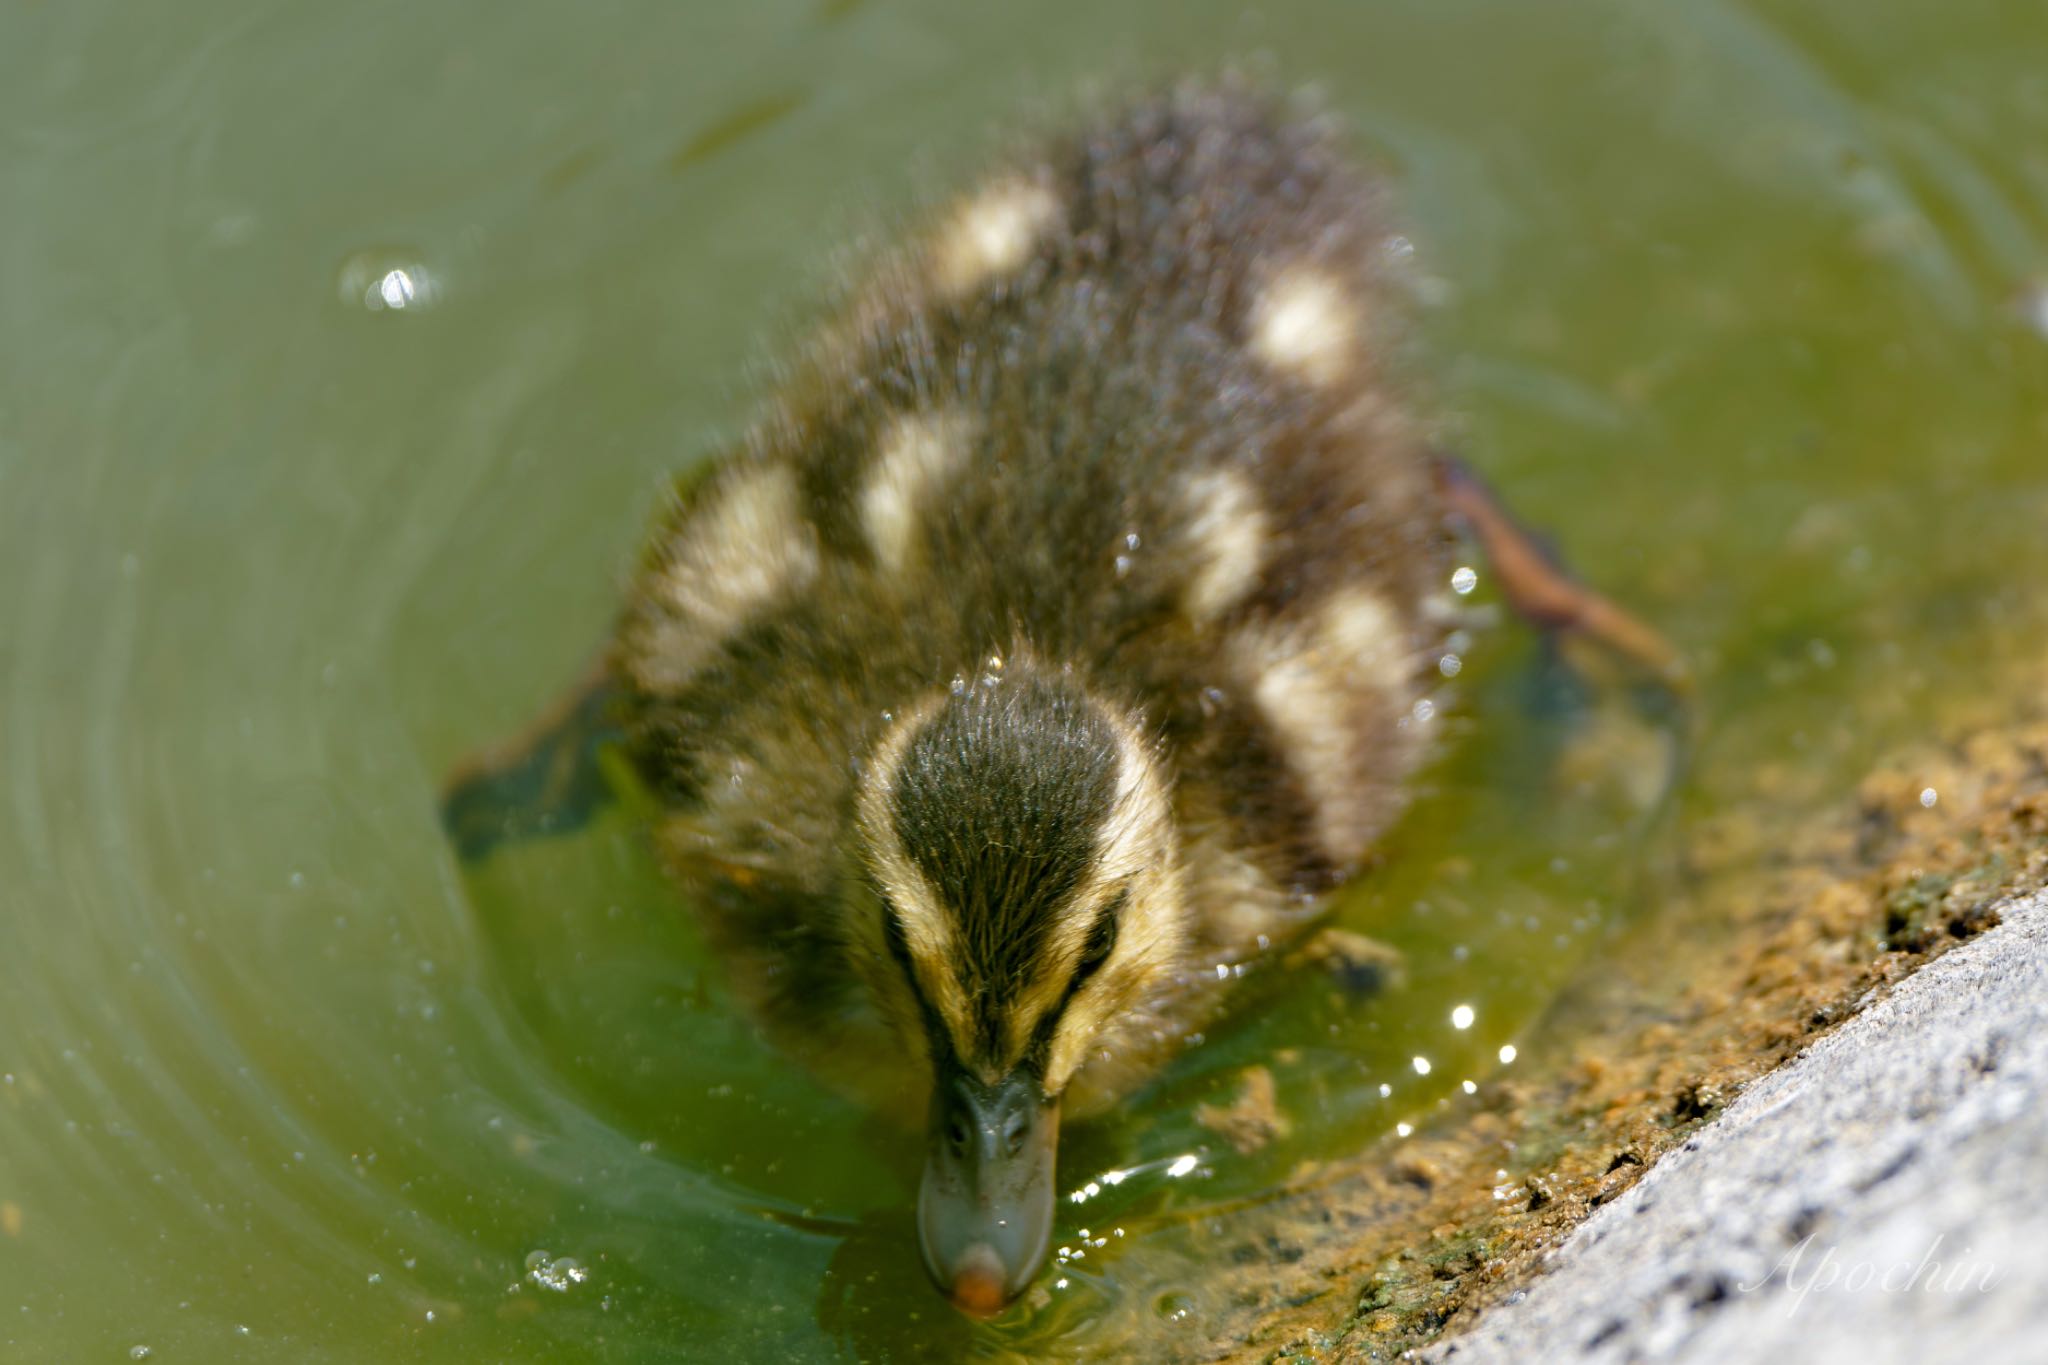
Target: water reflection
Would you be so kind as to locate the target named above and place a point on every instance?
(387, 279)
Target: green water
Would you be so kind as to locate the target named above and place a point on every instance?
(1734, 298)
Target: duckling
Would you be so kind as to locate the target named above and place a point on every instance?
(1062, 634)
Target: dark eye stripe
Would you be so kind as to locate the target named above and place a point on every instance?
(899, 948)
(1101, 942)
(892, 934)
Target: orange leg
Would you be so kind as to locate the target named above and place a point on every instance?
(1542, 592)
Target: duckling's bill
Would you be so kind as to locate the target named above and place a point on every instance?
(984, 1210)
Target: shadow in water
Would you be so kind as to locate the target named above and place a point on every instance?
(866, 1300)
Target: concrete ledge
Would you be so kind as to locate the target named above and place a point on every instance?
(1883, 1196)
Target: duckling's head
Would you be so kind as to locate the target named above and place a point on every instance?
(1022, 908)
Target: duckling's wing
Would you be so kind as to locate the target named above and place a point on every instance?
(540, 782)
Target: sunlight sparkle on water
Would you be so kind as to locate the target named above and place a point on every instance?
(556, 1273)
(1461, 1017)
(385, 280)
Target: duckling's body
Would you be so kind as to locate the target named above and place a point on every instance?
(1119, 417)
(1095, 505)
(1064, 631)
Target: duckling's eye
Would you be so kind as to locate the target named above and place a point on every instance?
(1101, 941)
(892, 936)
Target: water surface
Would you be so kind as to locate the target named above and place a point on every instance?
(342, 352)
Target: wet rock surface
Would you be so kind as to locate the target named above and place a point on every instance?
(1804, 931)
(1877, 1198)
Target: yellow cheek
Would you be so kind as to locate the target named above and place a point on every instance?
(1085, 1027)
(1101, 1015)
(1069, 1050)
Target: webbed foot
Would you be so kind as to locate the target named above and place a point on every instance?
(1358, 966)
(544, 781)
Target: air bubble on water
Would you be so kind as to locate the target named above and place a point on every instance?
(2032, 306)
(1464, 579)
(1928, 796)
(556, 1273)
(138, 1353)
(231, 230)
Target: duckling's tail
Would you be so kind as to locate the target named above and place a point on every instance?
(544, 781)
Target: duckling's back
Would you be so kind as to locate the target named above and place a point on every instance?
(1124, 408)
